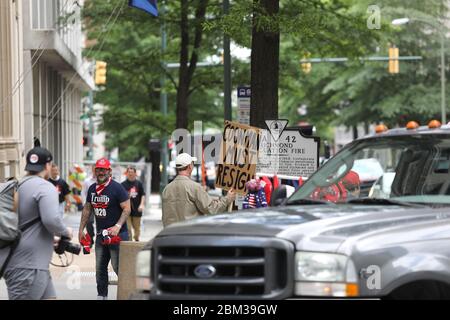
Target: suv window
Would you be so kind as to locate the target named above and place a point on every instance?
(410, 168)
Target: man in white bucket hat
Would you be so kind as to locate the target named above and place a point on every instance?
(184, 199)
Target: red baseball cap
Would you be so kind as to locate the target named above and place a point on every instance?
(103, 163)
(351, 179)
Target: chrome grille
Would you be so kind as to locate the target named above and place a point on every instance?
(259, 269)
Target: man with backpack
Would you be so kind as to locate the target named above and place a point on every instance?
(27, 272)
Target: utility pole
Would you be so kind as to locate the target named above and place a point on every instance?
(226, 68)
(163, 101)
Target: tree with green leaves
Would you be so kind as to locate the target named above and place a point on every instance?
(358, 92)
(348, 93)
(132, 48)
(322, 27)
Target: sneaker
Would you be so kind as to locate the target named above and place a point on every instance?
(102, 298)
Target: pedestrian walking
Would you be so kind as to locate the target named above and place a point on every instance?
(184, 199)
(62, 188)
(27, 272)
(111, 205)
(136, 194)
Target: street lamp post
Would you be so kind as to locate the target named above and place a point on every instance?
(436, 26)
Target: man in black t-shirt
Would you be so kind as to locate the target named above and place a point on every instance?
(111, 206)
(137, 198)
(62, 188)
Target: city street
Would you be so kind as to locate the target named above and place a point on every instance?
(302, 149)
(77, 282)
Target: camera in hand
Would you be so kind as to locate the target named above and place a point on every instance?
(65, 245)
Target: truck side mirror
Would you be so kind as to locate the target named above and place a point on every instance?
(278, 196)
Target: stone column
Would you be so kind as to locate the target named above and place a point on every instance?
(5, 70)
(2, 165)
(12, 158)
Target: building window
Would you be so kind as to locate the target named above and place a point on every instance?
(43, 14)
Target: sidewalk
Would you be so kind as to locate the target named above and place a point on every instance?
(151, 222)
(153, 211)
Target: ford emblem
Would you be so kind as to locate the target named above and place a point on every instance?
(205, 271)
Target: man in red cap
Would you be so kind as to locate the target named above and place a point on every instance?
(351, 183)
(111, 206)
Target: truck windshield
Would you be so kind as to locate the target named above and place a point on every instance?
(410, 168)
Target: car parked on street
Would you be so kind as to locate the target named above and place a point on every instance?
(390, 242)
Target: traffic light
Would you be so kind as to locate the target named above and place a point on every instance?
(393, 60)
(306, 66)
(85, 141)
(100, 72)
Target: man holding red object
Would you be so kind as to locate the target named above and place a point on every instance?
(111, 205)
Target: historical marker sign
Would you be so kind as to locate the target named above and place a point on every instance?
(286, 151)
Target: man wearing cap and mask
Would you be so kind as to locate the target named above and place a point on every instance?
(111, 206)
(184, 199)
(27, 273)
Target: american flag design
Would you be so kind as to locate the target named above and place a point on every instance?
(255, 200)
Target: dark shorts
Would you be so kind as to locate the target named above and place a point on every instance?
(29, 284)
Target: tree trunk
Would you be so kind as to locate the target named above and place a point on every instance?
(188, 66)
(264, 69)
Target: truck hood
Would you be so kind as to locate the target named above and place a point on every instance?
(315, 227)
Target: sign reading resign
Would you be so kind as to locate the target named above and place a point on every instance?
(239, 153)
